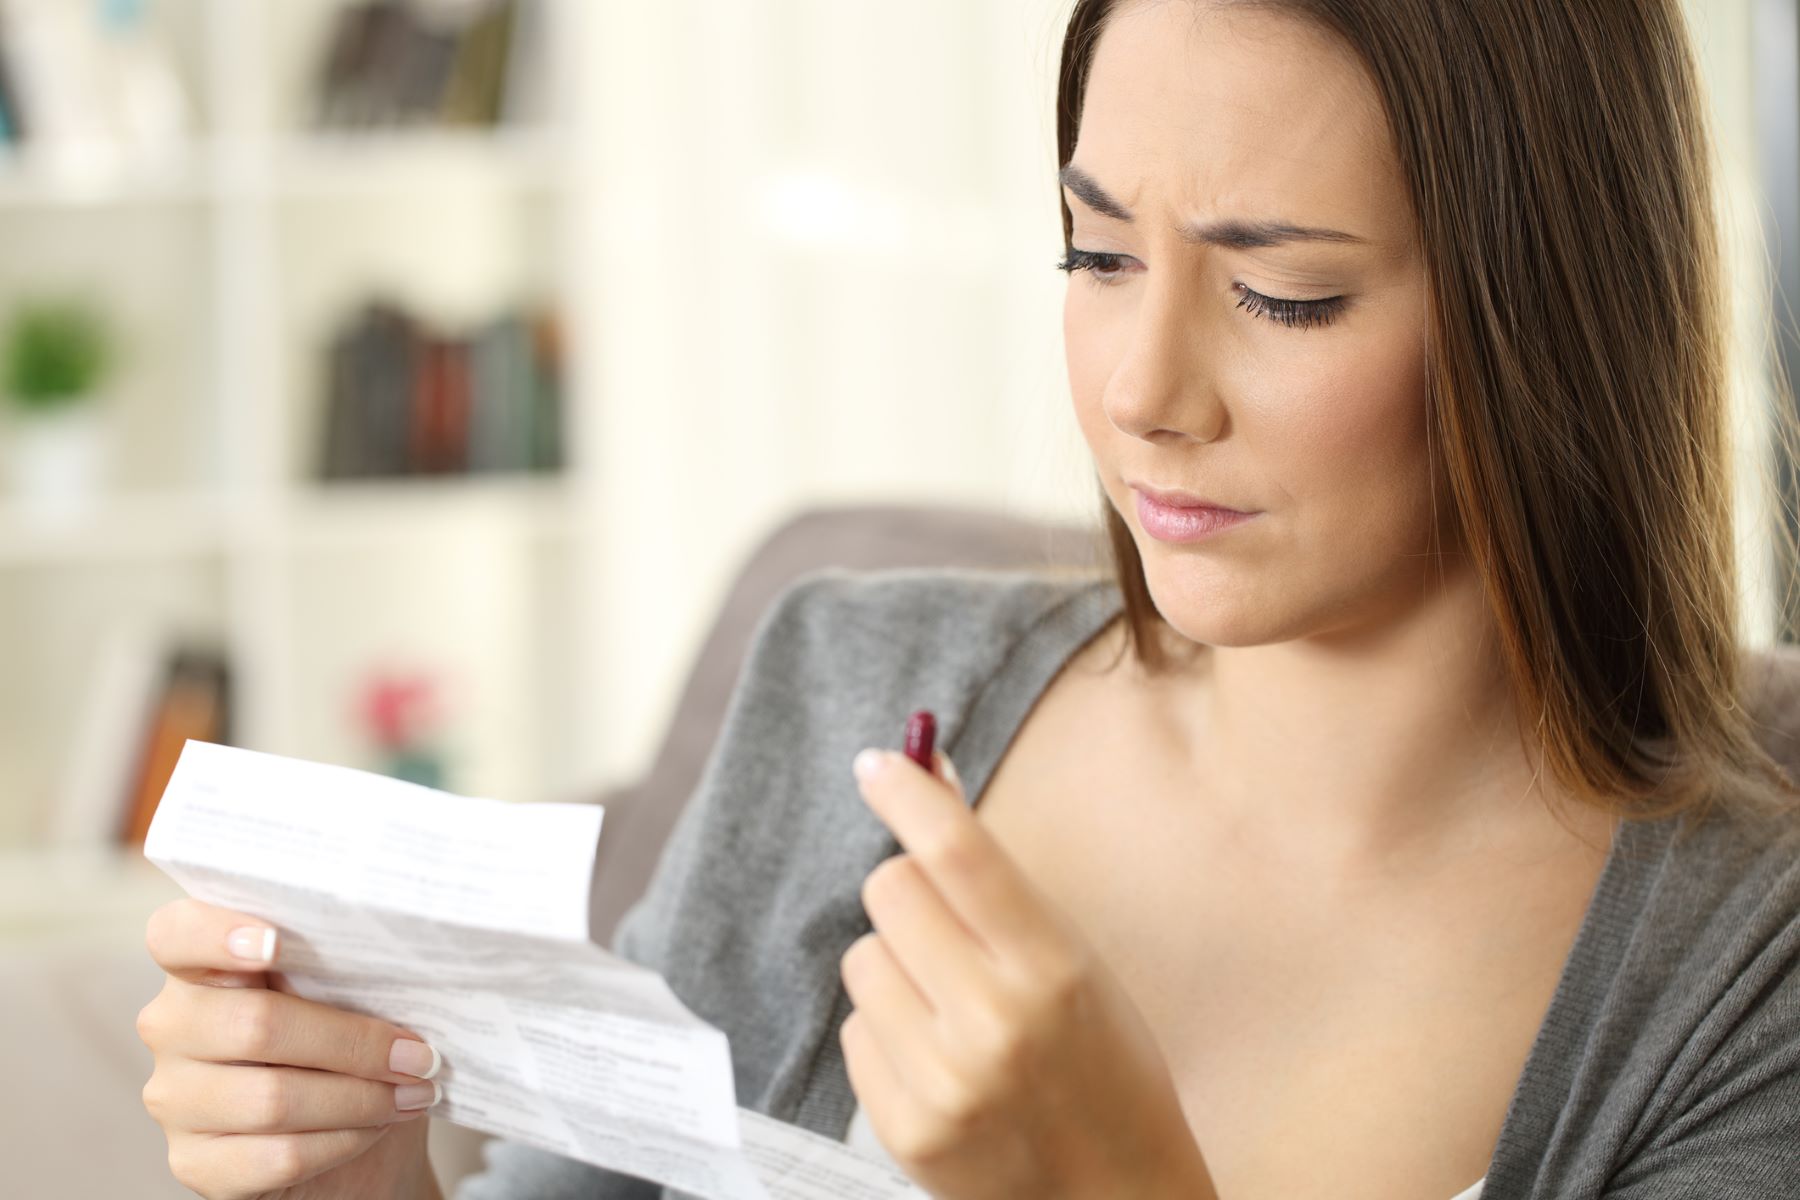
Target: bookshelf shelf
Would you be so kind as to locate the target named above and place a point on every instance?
(182, 176)
(152, 526)
(335, 164)
(297, 165)
(349, 514)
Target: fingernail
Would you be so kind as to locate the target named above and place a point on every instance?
(867, 764)
(415, 1095)
(252, 943)
(410, 1056)
(950, 770)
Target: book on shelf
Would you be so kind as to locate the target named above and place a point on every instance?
(403, 398)
(440, 405)
(151, 688)
(497, 438)
(194, 702)
(547, 391)
(397, 63)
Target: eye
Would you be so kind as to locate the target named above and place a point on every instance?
(1290, 312)
(1103, 267)
(1105, 270)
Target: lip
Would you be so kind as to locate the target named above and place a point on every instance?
(1175, 498)
(1184, 522)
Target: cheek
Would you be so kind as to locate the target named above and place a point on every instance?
(1345, 438)
(1330, 426)
(1091, 350)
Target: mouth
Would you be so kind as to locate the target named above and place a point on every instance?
(1184, 517)
(1175, 498)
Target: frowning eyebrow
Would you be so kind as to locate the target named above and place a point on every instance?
(1233, 234)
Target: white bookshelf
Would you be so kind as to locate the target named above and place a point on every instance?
(227, 266)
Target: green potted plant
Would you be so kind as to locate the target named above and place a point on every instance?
(55, 354)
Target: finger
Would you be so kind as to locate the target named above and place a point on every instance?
(876, 982)
(205, 944)
(933, 946)
(973, 873)
(257, 1099)
(250, 1164)
(898, 1019)
(257, 1025)
(878, 1088)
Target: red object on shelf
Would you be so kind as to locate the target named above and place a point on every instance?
(400, 708)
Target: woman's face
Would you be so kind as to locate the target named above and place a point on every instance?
(1307, 408)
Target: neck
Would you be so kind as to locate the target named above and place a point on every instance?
(1361, 749)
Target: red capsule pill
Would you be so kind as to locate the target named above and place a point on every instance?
(921, 732)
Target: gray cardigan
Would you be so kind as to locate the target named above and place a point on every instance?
(1667, 1067)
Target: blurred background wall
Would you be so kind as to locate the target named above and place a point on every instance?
(400, 384)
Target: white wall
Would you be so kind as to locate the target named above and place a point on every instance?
(1723, 33)
(822, 263)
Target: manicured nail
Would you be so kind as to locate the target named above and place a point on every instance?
(868, 763)
(413, 1057)
(416, 1095)
(252, 944)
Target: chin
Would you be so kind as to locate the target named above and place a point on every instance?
(1205, 611)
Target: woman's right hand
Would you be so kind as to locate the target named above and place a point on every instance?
(263, 1093)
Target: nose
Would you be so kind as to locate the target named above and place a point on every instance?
(1160, 388)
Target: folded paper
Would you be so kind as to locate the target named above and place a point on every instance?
(465, 920)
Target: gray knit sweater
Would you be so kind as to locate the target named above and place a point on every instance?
(1667, 1067)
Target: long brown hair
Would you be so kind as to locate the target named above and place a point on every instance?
(1557, 158)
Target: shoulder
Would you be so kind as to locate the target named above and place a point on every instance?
(836, 662)
(919, 631)
(1701, 1025)
(1735, 867)
(1705, 1001)
(1709, 900)
(842, 656)
(1669, 1061)
(914, 605)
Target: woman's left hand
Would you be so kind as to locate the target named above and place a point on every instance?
(995, 1054)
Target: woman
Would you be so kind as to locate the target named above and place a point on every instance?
(1397, 833)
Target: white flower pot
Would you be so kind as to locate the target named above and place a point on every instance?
(55, 462)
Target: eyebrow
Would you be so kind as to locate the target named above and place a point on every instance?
(1231, 233)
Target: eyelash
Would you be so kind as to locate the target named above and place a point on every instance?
(1291, 313)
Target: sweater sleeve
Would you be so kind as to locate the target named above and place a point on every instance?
(1735, 1133)
(650, 928)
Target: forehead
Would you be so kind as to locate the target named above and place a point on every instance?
(1205, 110)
